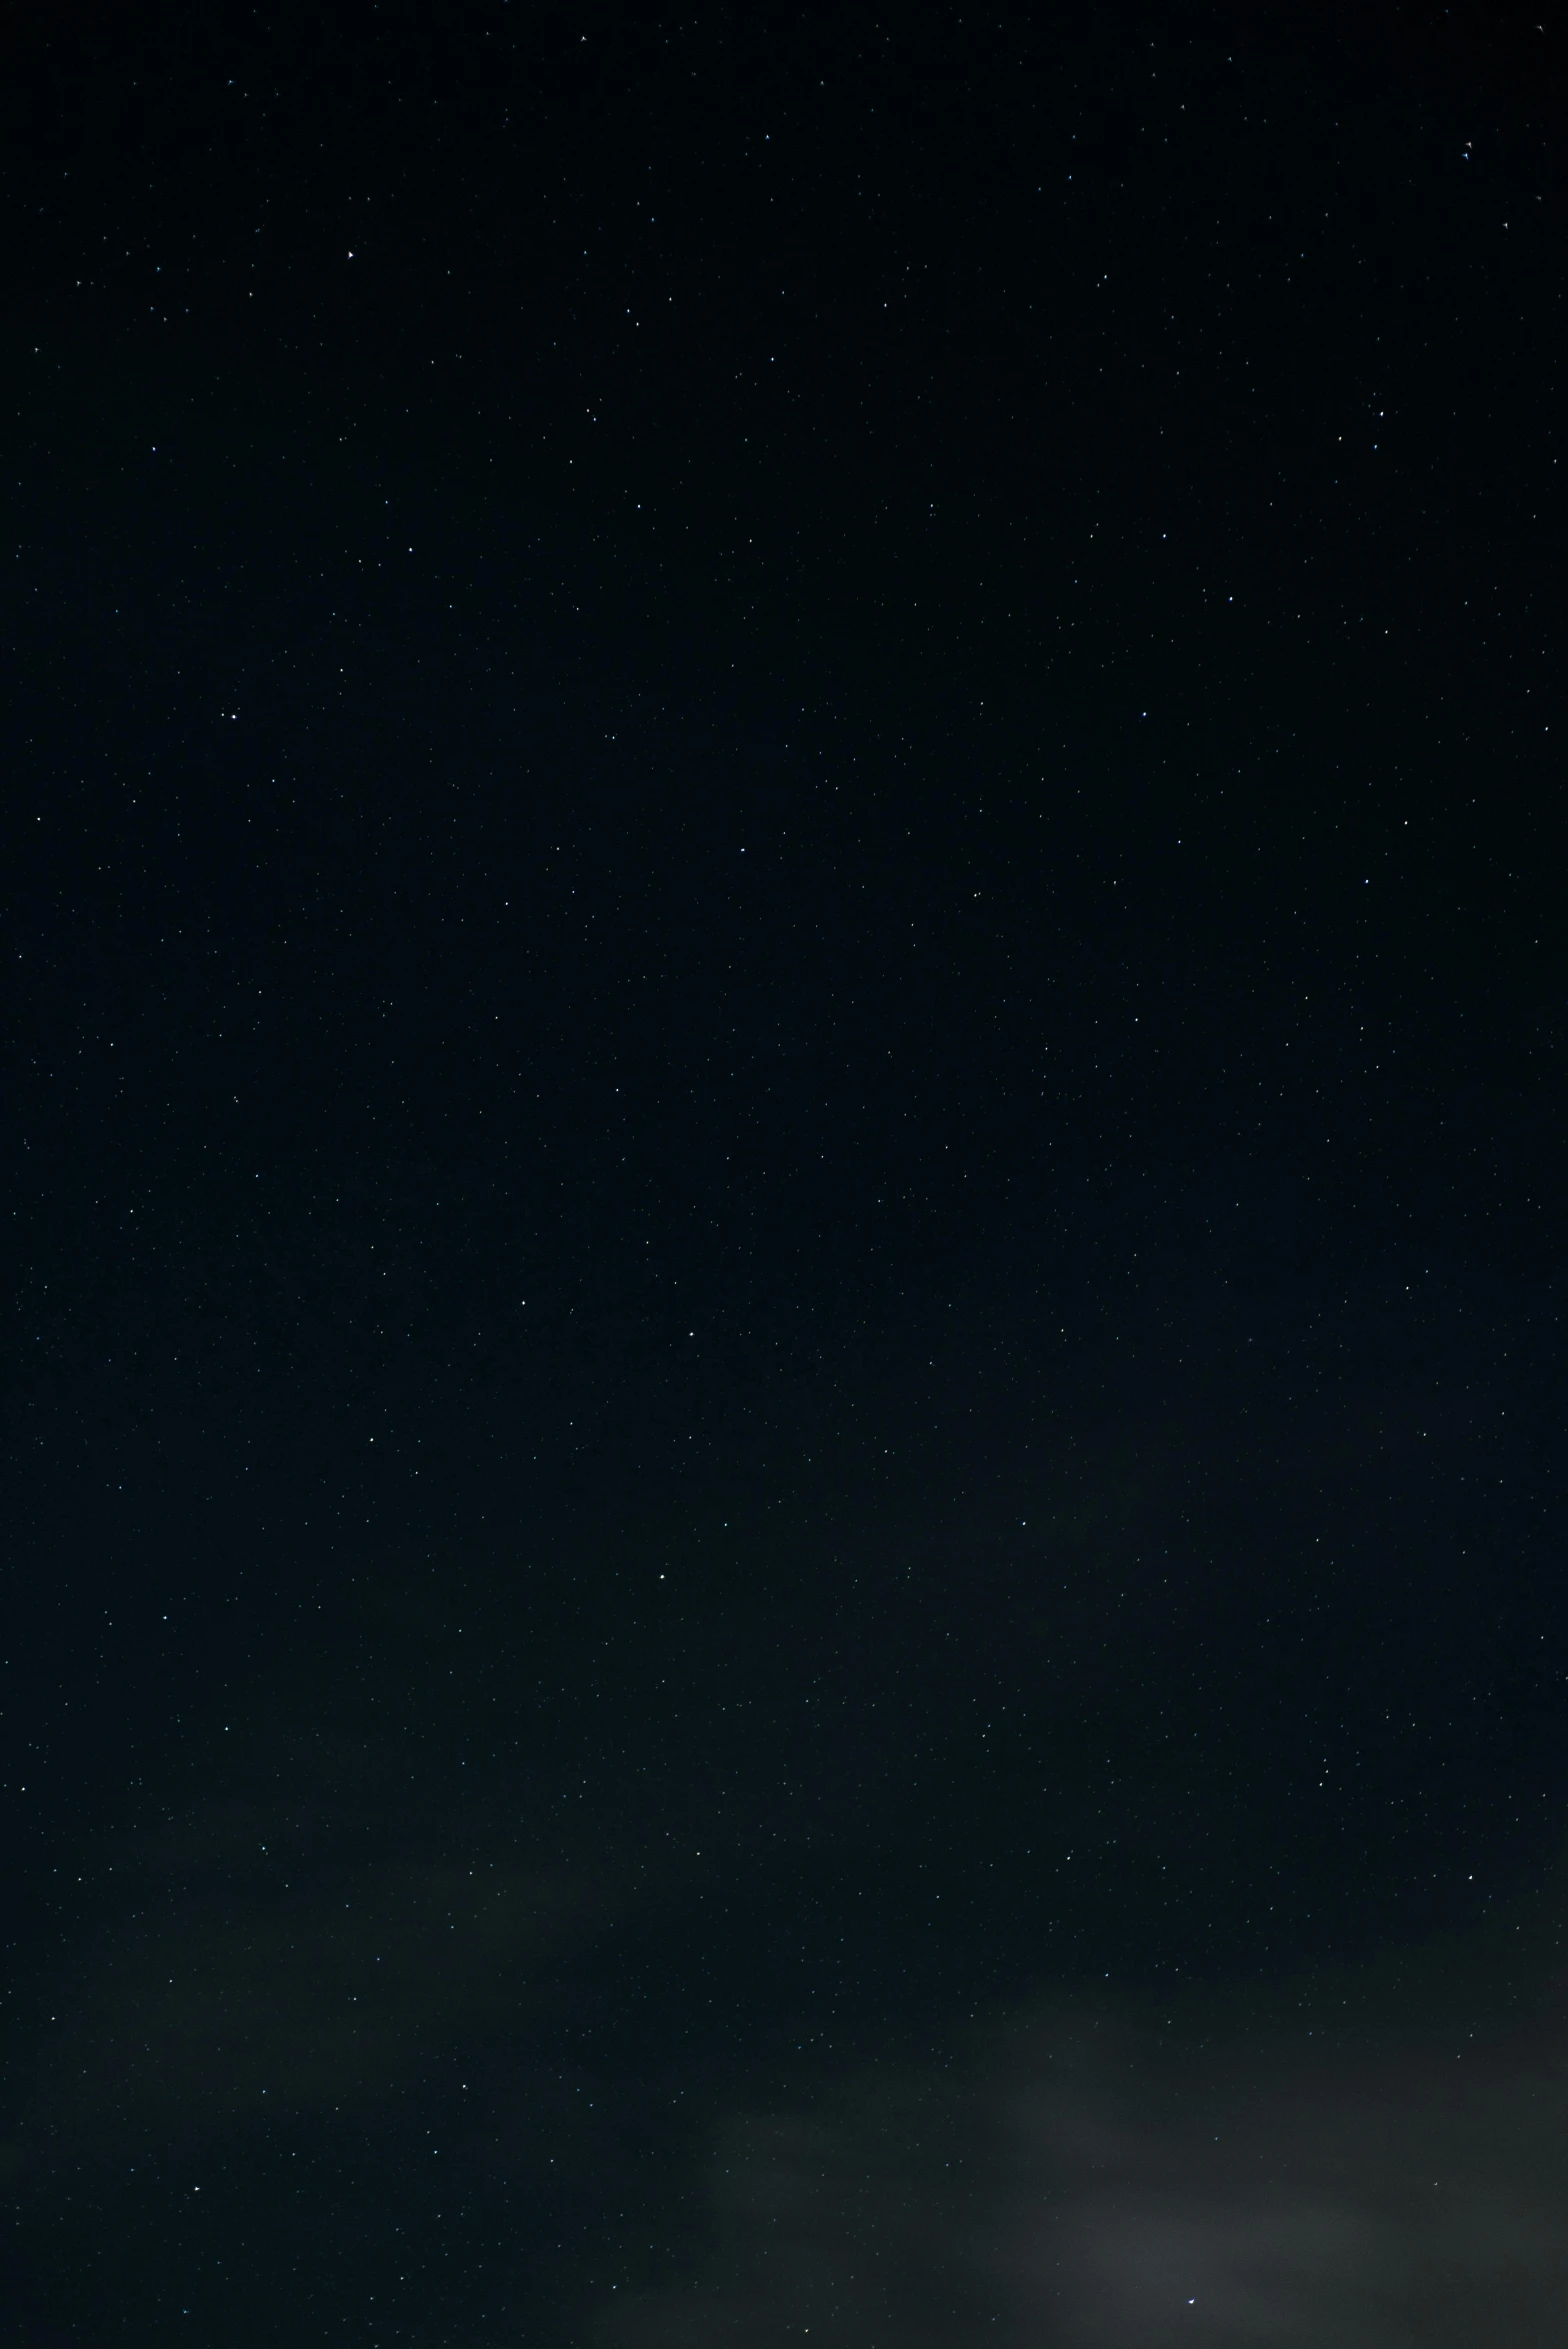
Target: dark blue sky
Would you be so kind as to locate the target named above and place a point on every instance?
(782, 1105)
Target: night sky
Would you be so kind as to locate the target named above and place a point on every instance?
(782, 861)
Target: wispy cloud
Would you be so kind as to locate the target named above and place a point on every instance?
(1080, 2181)
(307, 1948)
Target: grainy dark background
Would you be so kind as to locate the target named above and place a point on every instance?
(783, 1121)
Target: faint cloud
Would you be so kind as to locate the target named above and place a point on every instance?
(305, 1952)
(1080, 2179)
